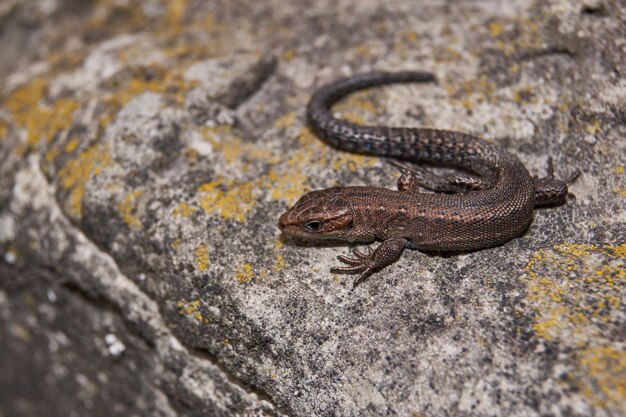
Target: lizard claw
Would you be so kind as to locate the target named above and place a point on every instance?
(362, 276)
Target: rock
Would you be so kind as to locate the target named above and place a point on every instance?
(148, 150)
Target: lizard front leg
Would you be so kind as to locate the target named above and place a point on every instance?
(366, 264)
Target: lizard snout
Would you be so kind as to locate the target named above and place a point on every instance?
(283, 220)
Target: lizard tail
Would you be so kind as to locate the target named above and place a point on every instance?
(415, 144)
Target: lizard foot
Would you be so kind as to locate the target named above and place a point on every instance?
(552, 191)
(366, 263)
(363, 264)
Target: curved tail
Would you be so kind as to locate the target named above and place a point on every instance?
(415, 144)
(330, 93)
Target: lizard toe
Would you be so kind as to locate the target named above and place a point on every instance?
(350, 261)
(348, 269)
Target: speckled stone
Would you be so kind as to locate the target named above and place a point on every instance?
(147, 151)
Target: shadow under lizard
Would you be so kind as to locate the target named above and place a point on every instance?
(485, 207)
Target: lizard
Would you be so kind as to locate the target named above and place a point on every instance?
(488, 202)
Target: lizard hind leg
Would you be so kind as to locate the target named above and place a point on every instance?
(415, 176)
(551, 191)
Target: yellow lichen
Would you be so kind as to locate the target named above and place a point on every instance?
(127, 209)
(223, 139)
(523, 94)
(191, 309)
(288, 55)
(495, 29)
(41, 121)
(175, 11)
(619, 170)
(244, 274)
(365, 49)
(528, 36)
(605, 381)
(287, 187)
(285, 120)
(187, 307)
(447, 54)
(184, 210)
(411, 36)
(405, 40)
(234, 200)
(51, 155)
(473, 91)
(306, 138)
(75, 174)
(59, 117)
(191, 155)
(152, 78)
(357, 102)
(565, 303)
(233, 151)
(354, 118)
(105, 120)
(71, 145)
(573, 249)
(226, 197)
(593, 128)
(353, 161)
(280, 263)
(575, 291)
(24, 101)
(261, 154)
(202, 257)
(4, 129)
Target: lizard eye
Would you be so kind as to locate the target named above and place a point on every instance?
(313, 226)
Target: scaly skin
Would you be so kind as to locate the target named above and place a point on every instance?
(499, 207)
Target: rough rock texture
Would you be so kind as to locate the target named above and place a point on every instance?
(148, 148)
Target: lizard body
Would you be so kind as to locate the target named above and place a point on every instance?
(490, 204)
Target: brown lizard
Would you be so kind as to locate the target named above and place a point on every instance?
(492, 200)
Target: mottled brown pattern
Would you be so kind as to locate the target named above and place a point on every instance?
(498, 208)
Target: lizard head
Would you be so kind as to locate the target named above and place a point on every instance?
(322, 214)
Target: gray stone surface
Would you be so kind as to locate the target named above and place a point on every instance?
(147, 151)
